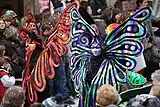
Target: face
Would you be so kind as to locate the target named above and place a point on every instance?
(144, 4)
(2, 25)
(95, 47)
(32, 26)
(7, 23)
(7, 65)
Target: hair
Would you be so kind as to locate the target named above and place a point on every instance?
(11, 33)
(108, 15)
(156, 83)
(37, 105)
(14, 97)
(122, 17)
(2, 50)
(106, 95)
(4, 59)
(23, 21)
(139, 2)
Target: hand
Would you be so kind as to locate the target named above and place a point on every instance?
(31, 47)
(99, 10)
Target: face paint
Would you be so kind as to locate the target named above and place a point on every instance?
(95, 47)
(32, 26)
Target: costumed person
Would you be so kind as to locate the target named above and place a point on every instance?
(120, 49)
(6, 80)
(42, 58)
(34, 47)
(58, 85)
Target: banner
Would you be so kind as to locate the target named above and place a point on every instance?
(44, 4)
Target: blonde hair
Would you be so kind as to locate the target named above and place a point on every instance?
(14, 97)
(106, 95)
(156, 83)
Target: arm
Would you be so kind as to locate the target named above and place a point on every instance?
(7, 81)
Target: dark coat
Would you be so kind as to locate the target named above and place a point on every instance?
(153, 102)
(83, 12)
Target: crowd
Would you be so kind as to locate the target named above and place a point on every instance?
(60, 90)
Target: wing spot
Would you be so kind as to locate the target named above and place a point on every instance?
(126, 46)
(127, 64)
(129, 28)
(83, 27)
(133, 48)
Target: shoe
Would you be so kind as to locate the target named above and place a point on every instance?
(69, 102)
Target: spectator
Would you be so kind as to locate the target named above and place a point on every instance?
(97, 6)
(10, 13)
(14, 97)
(2, 26)
(155, 91)
(58, 5)
(83, 12)
(6, 80)
(108, 15)
(106, 95)
(146, 100)
(2, 50)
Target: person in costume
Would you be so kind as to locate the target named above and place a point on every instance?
(121, 47)
(43, 58)
(58, 85)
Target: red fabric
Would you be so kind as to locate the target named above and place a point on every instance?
(141, 71)
(2, 88)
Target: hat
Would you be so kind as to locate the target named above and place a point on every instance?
(10, 13)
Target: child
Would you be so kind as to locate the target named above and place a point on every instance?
(6, 80)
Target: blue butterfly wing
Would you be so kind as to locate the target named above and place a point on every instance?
(122, 46)
(82, 37)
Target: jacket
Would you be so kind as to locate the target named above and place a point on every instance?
(153, 102)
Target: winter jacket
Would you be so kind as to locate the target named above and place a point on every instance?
(153, 102)
(57, 3)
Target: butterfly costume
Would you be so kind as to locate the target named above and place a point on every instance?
(114, 56)
(34, 77)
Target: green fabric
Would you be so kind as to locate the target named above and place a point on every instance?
(136, 79)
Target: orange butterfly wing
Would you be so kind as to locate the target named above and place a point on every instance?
(50, 56)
